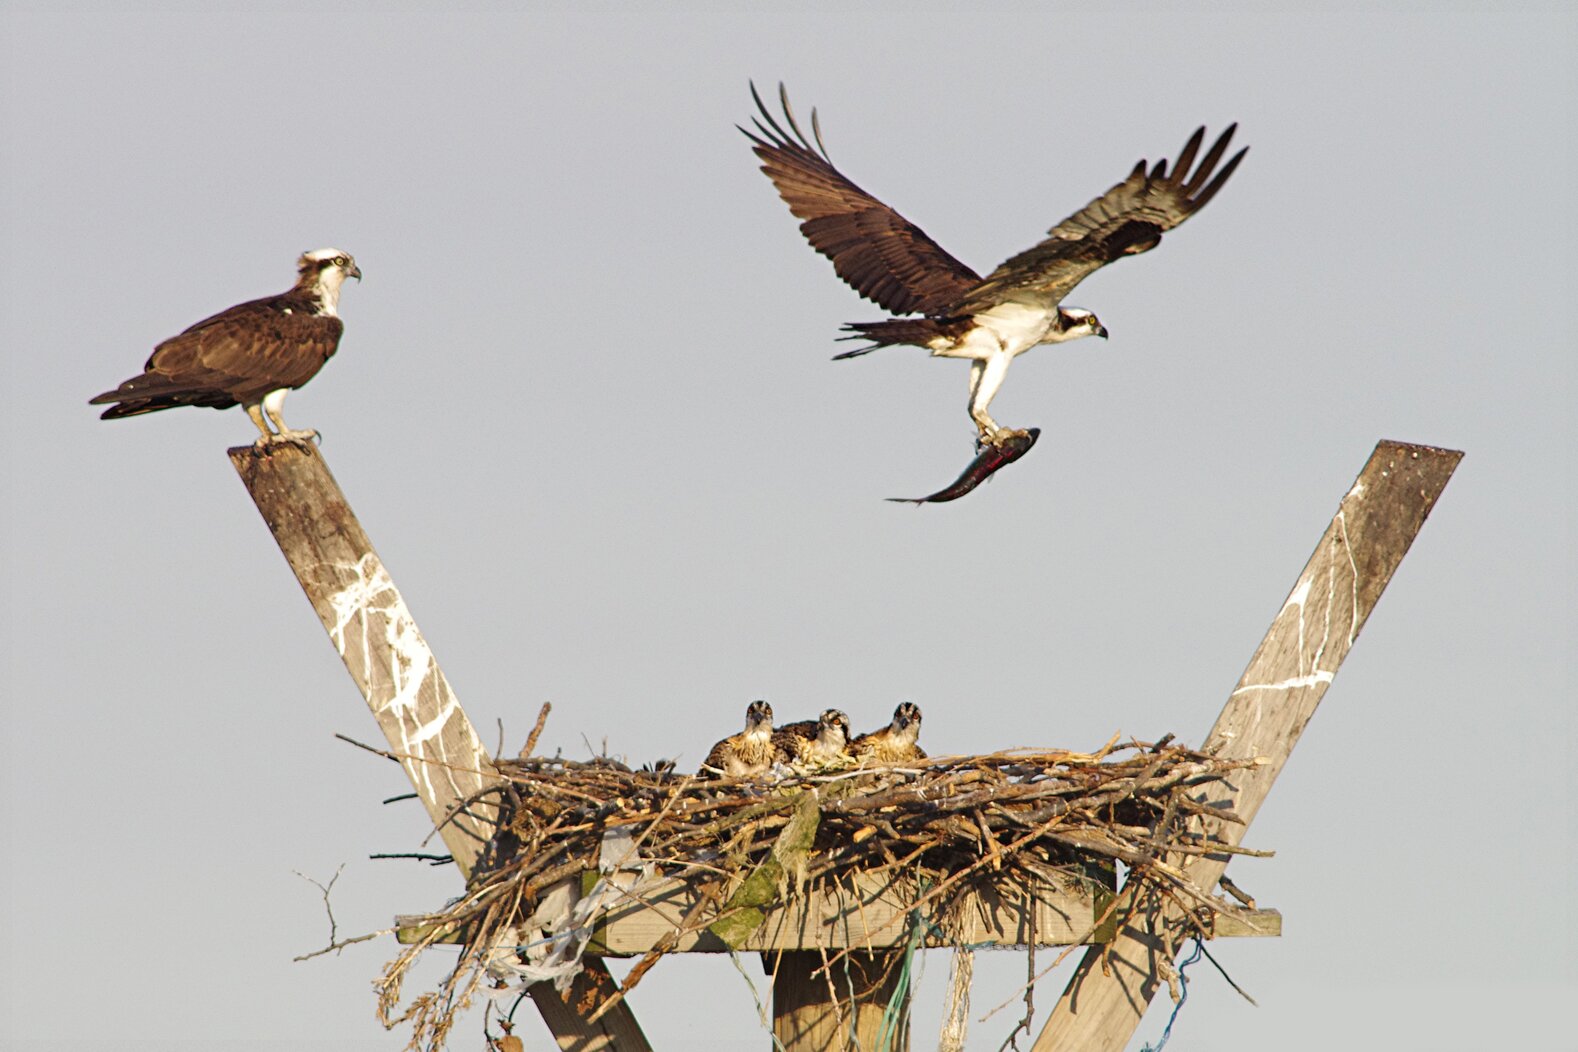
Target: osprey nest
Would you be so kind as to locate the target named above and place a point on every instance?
(577, 839)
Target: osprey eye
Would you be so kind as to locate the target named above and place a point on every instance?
(339, 261)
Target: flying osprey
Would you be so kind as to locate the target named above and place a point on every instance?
(750, 753)
(815, 743)
(990, 321)
(894, 743)
(251, 354)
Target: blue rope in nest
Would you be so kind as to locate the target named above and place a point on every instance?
(1183, 980)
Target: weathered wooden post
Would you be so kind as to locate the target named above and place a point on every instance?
(806, 1017)
(1264, 716)
(421, 718)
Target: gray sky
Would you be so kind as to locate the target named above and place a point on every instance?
(585, 410)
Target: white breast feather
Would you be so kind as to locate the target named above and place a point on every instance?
(1018, 326)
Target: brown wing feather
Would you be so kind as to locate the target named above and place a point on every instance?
(882, 255)
(718, 757)
(1128, 219)
(237, 356)
(799, 729)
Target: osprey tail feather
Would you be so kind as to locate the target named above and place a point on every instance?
(894, 332)
(150, 393)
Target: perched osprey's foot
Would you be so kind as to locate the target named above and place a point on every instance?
(307, 436)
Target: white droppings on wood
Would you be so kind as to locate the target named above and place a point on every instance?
(1314, 679)
(370, 617)
(1353, 571)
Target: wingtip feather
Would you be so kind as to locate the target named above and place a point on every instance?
(1204, 196)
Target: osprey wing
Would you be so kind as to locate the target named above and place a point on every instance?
(798, 729)
(717, 758)
(237, 356)
(1128, 219)
(882, 255)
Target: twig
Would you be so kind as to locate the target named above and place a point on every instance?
(334, 946)
(325, 889)
(362, 745)
(1234, 890)
(1079, 943)
(536, 731)
(669, 940)
(1030, 989)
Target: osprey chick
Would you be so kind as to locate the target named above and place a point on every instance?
(249, 355)
(894, 743)
(750, 753)
(815, 743)
(991, 320)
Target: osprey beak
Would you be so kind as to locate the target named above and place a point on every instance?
(354, 272)
(1101, 330)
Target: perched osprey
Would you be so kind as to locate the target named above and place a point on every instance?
(894, 743)
(751, 752)
(251, 354)
(990, 321)
(815, 743)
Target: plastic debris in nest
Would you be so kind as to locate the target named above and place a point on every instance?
(547, 946)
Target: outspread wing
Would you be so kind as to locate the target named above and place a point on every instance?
(237, 356)
(882, 255)
(1128, 219)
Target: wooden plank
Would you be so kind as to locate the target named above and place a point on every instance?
(398, 675)
(863, 911)
(1251, 924)
(868, 913)
(1375, 524)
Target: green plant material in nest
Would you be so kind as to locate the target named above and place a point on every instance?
(743, 913)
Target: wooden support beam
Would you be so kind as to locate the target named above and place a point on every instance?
(375, 635)
(807, 1019)
(1265, 714)
(390, 662)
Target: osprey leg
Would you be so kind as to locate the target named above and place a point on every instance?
(986, 376)
(255, 411)
(274, 406)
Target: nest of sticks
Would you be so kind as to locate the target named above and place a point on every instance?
(949, 825)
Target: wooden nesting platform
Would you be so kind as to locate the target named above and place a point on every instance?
(1011, 849)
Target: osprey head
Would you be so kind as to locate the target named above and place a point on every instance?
(1076, 321)
(758, 718)
(833, 728)
(321, 272)
(906, 719)
(317, 263)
